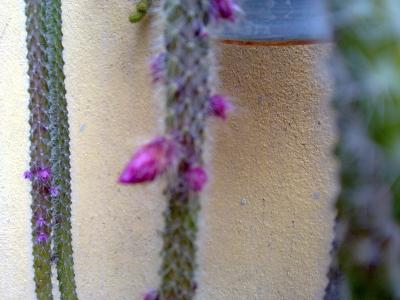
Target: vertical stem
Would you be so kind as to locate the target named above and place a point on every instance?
(187, 94)
(40, 149)
(60, 153)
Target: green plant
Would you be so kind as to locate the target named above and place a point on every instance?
(49, 166)
(40, 147)
(60, 153)
(187, 92)
(185, 71)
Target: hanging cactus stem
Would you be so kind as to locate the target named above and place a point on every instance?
(187, 61)
(184, 68)
(49, 167)
(40, 147)
(60, 153)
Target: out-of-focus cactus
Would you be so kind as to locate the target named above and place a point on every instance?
(60, 153)
(39, 172)
(367, 101)
(185, 71)
(49, 166)
(187, 88)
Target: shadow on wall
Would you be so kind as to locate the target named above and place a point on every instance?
(269, 218)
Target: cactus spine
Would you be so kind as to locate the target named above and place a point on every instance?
(40, 147)
(60, 153)
(187, 91)
(367, 101)
(49, 167)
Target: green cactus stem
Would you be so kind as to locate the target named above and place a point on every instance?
(367, 101)
(49, 167)
(187, 61)
(40, 147)
(60, 153)
(185, 69)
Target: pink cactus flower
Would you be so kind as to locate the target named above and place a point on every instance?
(224, 9)
(220, 106)
(157, 67)
(196, 178)
(149, 161)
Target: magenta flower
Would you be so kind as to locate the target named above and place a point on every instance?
(149, 161)
(151, 295)
(28, 175)
(42, 237)
(224, 9)
(196, 178)
(220, 106)
(157, 67)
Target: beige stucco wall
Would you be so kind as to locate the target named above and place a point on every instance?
(267, 218)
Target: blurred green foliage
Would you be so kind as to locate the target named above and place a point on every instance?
(366, 67)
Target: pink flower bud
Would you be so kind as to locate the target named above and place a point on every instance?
(220, 106)
(224, 9)
(157, 67)
(196, 178)
(149, 161)
(151, 295)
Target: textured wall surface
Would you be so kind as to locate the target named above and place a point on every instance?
(267, 221)
(269, 218)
